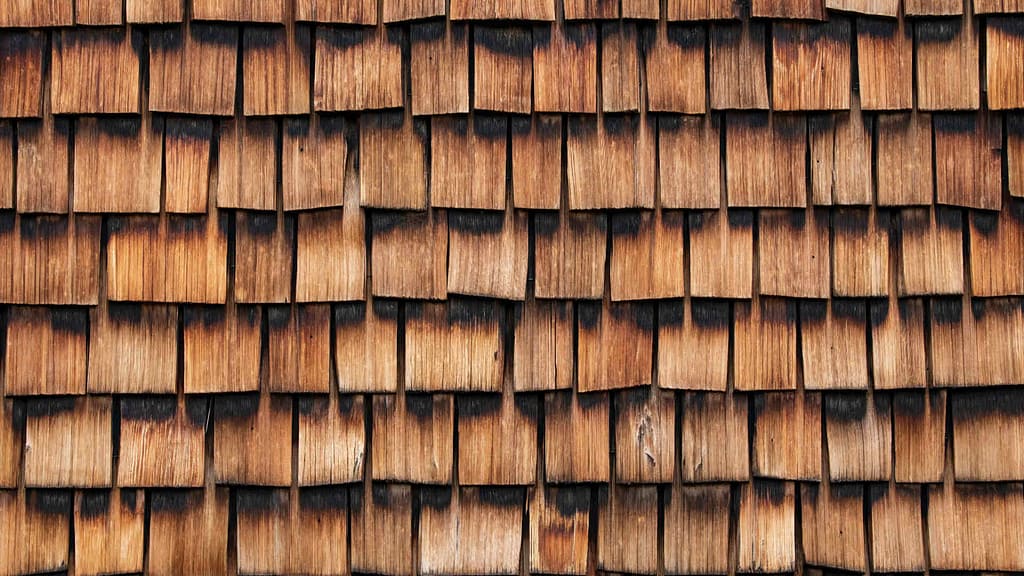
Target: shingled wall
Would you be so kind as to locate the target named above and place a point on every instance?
(452, 287)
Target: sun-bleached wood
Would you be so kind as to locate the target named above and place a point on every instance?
(977, 342)
(885, 63)
(617, 151)
(559, 529)
(737, 77)
(930, 252)
(647, 255)
(410, 253)
(45, 352)
(264, 248)
(645, 436)
(834, 344)
(162, 442)
(37, 525)
(697, 528)
(269, 11)
(714, 438)
(188, 531)
(997, 245)
(764, 349)
(858, 433)
(470, 530)
(766, 531)
(247, 167)
(627, 529)
(693, 345)
(972, 525)
(565, 68)
(468, 162)
(896, 513)
(252, 441)
(537, 162)
(133, 349)
(439, 69)
(933, 7)
(222, 348)
(614, 345)
(686, 177)
(118, 164)
(570, 254)
(488, 253)
(702, 10)
(413, 438)
(68, 442)
(497, 439)
(978, 418)
(503, 10)
(787, 441)
(898, 343)
(332, 439)
(366, 346)
(919, 434)
(401, 10)
(109, 529)
(577, 443)
(454, 346)
(187, 152)
(841, 157)
(354, 12)
(381, 528)
(793, 250)
(192, 70)
(832, 526)
(154, 11)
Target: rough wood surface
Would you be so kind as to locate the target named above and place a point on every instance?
(332, 439)
(192, 69)
(439, 68)
(162, 442)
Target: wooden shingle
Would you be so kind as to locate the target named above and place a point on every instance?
(502, 68)
(543, 348)
(933, 7)
(537, 162)
(331, 255)
(764, 352)
(189, 531)
(497, 439)
(947, 64)
(382, 529)
(686, 179)
(647, 255)
(366, 346)
(904, 153)
(787, 441)
(794, 253)
(247, 167)
(811, 65)
(468, 161)
(570, 253)
(270, 11)
(470, 530)
(978, 418)
(12, 432)
(109, 527)
(53, 259)
(162, 442)
(897, 543)
(674, 59)
(357, 69)
(187, 151)
(788, 9)
(118, 164)
(645, 436)
(46, 351)
(860, 252)
(99, 12)
(455, 345)
(39, 527)
(997, 6)
(620, 67)
(834, 344)
(721, 253)
(252, 441)
(832, 526)
(21, 73)
(977, 343)
(488, 254)
(970, 525)
(766, 530)
(133, 348)
(409, 256)
(68, 442)
(737, 77)
(503, 10)
(996, 244)
(565, 68)
(614, 347)
(577, 443)
(192, 69)
(930, 252)
(1015, 154)
(765, 160)
(299, 342)
(400, 10)
(356, 12)
(697, 529)
(392, 161)
(858, 430)
(264, 245)
(413, 438)
(898, 343)
(885, 63)
(95, 71)
(32, 13)
(693, 345)
(627, 529)
(43, 179)
(439, 68)
(591, 9)
(8, 162)
(332, 439)
(841, 157)
(1004, 50)
(222, 348)
(702, 10)
(559, 528)
(919, 434)
(714, 439)
(619, 152)
(968, 160)
(888, 8)
(315, 162)
(154, 11)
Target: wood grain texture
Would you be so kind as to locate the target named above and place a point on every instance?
(793, 246)
(95, 71)
(614, 345)
(996, 243)
(1004, 47)
(99, 12)
(930, 252)
(292, 532)
(222, 348)
(619, 152)
(697, 529)
(109, 530)
(997, 6)
(470, 530)
(154, 11)
(788, 9)
(885, 63)
(43, 183)
(264, 248)
(269, 11)
(858, 430)
(392, 161)
(947, 64)
(497, 439)
(45, 352)
(721, 253)
(299, 342)
(674, 66)
(559, 529)
(620, 67)
(21, 73)
(702, 10)
(188, 143)
(381, 528)
(488, 254)
(55, 260)
(543, 349)
(896, 512)
(714, 439)
(968, 161)
(570, 255)
(904, 153)
(765, 160)
(12, 432)
(627, 529)
(645, 436)
(439, 69)
(357, 69)
(468, 162)
(933, 8)
(978, 417)
(356, 12)
(969, 525)
(315, 162)
(275, 69)
(331, 255)
(647, 255)
(1015, 154)
(764, 351)
(118, 164)
(192, 70)
(366, 346)
(537, 162)
(332, 439)
(832, 526)
(503, 10)
(919, 433)
(252, 441)
(247, 166)
(162, 442)
(133, 349)
(811, 65)
(976, 343)
(34, 13)
(693, 345)
(766, 530)
(834, 344)
(8, 162)
(37, 533)
(455, 345)
(591, 9)
(413, 438)
(737, 76)
(502, 68)
(787, 439)
(686, 179)
(577, 443)
(68, 442)
(840, 156)
(400, 10)
(898, 343)
(409, 256)
(565, 77)
(888, 8)
(189, 531)
(860, 252)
